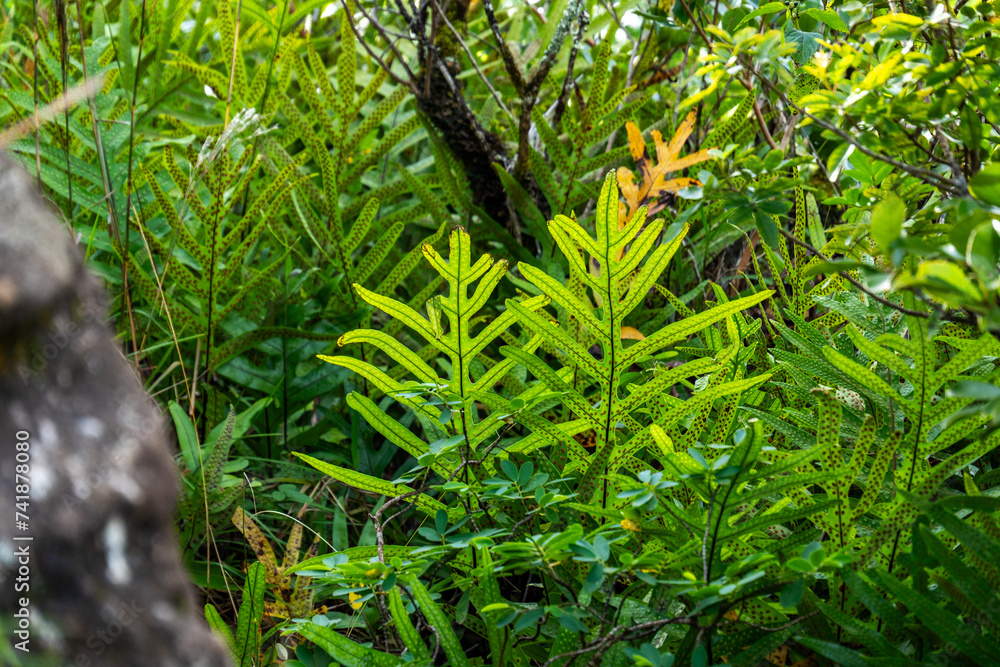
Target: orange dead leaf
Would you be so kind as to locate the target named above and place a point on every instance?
(291, 600)
(653, 183)
(631, 333)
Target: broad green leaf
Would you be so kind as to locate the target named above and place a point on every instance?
(220, 628)
(414, 644)
(887, 221)
(829, 17)
(247, 645)
(769, 8)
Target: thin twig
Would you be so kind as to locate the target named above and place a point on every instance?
(63, 23)
(789, 129)
(161, 292)
(957, 188)
(763, 124)
(516, 77)
(872, 294)
(697, 26)
(385, 66)
(794, 621)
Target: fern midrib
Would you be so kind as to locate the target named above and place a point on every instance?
(611, 297)
(217, 202)
(460, 332)
(718, 522)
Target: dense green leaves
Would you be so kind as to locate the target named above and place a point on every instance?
(753, 420)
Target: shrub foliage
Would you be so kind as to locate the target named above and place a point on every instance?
(564, 332)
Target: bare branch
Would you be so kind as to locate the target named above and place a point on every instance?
(882, 300)
(763, 124)
(516, 77)
(381, 30)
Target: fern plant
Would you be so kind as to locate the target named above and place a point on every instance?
(87, 157)
(902, 382)
(246, 645)
(443, 635)
(290, 600)
(206, 249)
(450, 409)
(226, 75)
(210, 491)
(945, 610)
(798, 279)
(575, 150)
(719, 543)
(451, 421)
(618, 288)
(339, 129)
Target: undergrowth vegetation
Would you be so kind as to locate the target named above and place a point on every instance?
(565, 332)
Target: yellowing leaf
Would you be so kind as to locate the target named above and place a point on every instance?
(631, 526)
(288, 603)
(258, 543)
(631, 333)
(898, 19)
(653, 184)
(882, 72)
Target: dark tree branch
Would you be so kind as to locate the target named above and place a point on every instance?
(513, 71)
(472, 59)
(529, 94)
